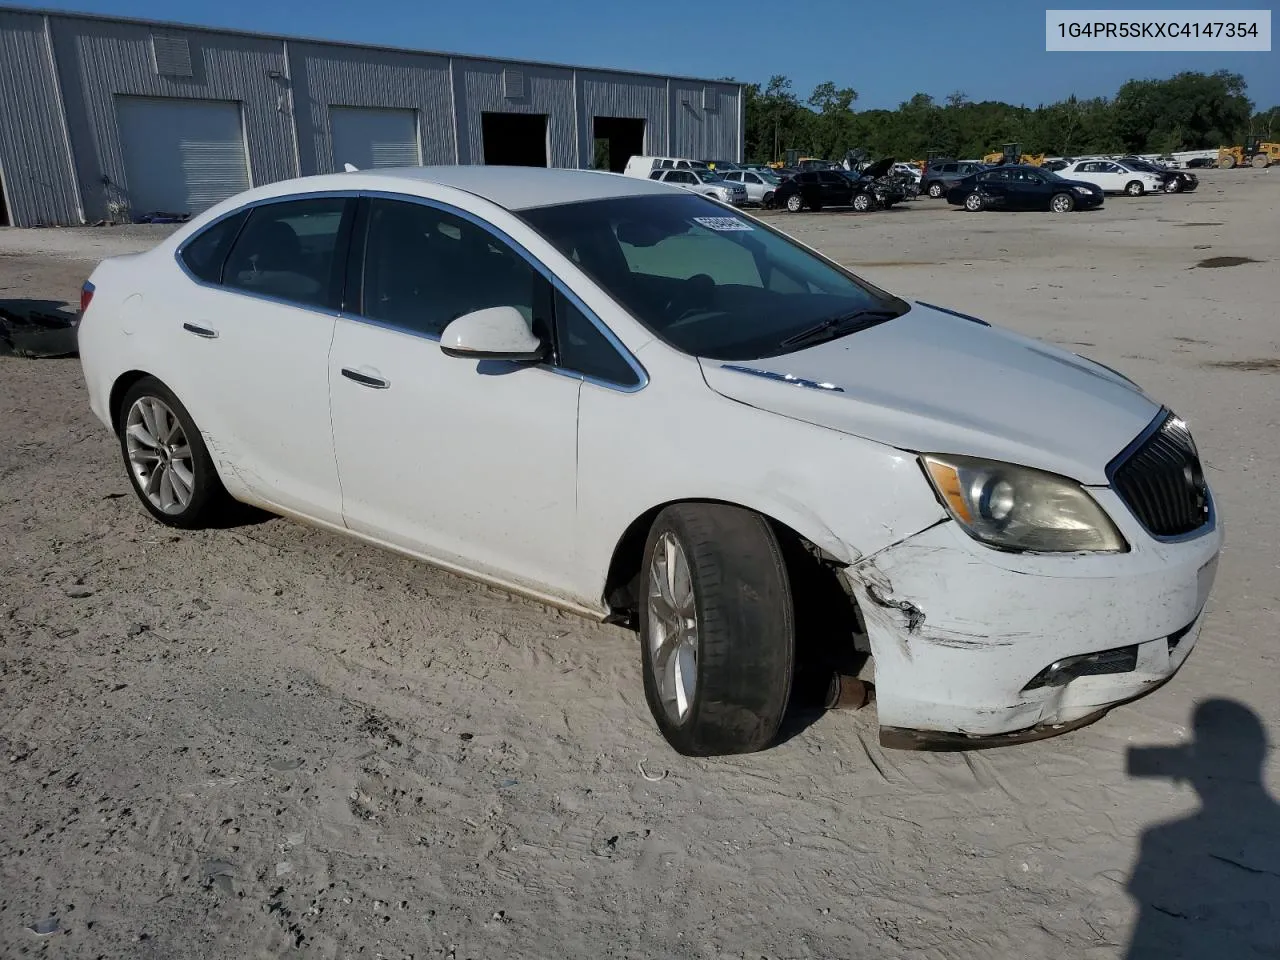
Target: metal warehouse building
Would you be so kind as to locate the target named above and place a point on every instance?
(111, 119)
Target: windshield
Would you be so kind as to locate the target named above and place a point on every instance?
(707, 282)
(1051, 175)
(709, 176)
(768, 176)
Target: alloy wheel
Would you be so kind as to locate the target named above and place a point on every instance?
(673, 628)
(160, 455)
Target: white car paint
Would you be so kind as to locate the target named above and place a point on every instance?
(704, 182)
(1113, 176)
(530, 479)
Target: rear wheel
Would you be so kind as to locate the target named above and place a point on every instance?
(1227, 162)
(767, 202)
(1062, 203)
(1134, 188)
(935, 190)
(1259, 161)
(795, 203)
(168, 463)
(974, 203)
(717, 629)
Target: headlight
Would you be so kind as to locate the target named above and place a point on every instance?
(1084, 190)
(1017, 508)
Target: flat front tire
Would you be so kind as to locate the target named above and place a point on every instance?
(168, 464)
(717, 629)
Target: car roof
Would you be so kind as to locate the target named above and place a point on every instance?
(513, 188)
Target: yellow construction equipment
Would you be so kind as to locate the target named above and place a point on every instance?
(1255, 153)
(1012, 153)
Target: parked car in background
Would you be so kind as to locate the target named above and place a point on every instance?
(1200, 163)
(1056, 164)
(815, 189)
(471, 365)
(941, 175)
(641, 167)
(706, 182)
(760, 185)
(1114, 176)
(1175, 181)
(1023, 188)
(874, 187)
(908, 170)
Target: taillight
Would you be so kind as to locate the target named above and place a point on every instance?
(86, 296)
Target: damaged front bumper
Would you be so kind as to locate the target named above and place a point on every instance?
(974, 647)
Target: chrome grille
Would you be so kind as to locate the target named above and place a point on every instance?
(1162, 482)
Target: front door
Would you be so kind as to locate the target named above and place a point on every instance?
(472, 464)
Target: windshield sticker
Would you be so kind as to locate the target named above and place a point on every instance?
(723, 224)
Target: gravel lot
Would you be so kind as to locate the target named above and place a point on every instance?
(237, 742)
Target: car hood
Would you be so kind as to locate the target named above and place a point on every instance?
(932, 381)
(879, 168)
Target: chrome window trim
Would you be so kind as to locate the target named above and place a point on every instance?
(641, 373)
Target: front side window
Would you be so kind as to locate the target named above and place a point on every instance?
(584, 349)
(424, 268)
(205, 255)
(288, 250)
(706, 281)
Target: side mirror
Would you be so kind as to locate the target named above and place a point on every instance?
(494, 333)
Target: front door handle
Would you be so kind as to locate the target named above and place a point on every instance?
(200, 331)
(364, 379)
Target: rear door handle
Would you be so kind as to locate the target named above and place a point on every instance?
(364, 379)
(200, 331)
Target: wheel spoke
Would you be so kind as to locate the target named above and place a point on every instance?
(182, 452)
(142, 457)
(183, 481)
(168, 496)
(140, 433)
(153, 481)
(149, 418)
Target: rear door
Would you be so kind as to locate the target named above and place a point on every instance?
(255, 330)
(837, 191)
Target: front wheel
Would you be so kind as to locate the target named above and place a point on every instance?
(1062, 203)
(795, 203)
(168, 463)
(935, 190)
(717, 627)
(862, 203)
(767, 202)
(1173, 186)
(974, 203)
(1227, 162)
(1134, 188)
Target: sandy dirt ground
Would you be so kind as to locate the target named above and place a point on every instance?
(235, 743)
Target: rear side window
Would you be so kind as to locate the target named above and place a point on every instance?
(949, 168)
(205, 254)
(585, 350)
(287, 250)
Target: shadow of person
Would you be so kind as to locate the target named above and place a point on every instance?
(1208, 886)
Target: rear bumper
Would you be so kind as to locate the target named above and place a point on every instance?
(959, 631)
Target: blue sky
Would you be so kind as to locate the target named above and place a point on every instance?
(990, 49)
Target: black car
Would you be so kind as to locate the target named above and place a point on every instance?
(1199, 162)
(813, 190)
(1175, 181)
(1023, 188)
(874, 187)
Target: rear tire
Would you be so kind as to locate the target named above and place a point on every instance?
(1134, 188)
(974, 203)
(1062, 203)
(767, 202)
(1259, 161)
(935, 190)
(168, 464)
(717, 629)
(1227, 162)
(795, 203)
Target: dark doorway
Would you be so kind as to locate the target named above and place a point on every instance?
(616, 140)
(514, 139)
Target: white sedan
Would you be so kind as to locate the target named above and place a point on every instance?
(1114, 176)
(635, 403)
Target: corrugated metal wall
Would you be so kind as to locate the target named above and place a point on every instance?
(548, 90)
(99, 61)
(614, 95)
(325, 76)
(34, 158)
(285, 89)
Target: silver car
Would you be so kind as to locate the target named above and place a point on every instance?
(705, 182)
(759, 184)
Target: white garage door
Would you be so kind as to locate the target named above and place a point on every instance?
(181, 156)
(368, 137)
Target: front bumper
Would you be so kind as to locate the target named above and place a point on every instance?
(958, 630)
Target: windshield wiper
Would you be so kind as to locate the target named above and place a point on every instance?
(840, 325)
